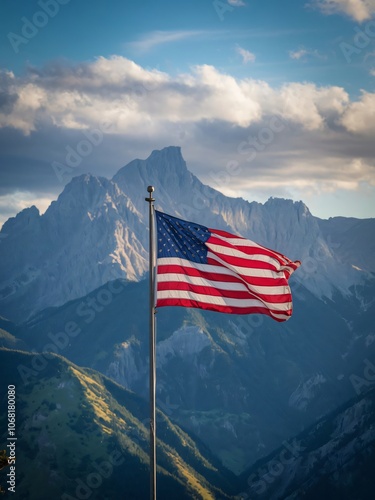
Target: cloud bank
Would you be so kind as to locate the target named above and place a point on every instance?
(293, 140)
(131, 97)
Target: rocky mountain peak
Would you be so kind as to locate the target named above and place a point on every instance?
(99, 227)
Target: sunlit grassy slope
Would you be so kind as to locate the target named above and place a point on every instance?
(78, 431)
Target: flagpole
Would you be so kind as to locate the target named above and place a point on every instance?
(152, 347)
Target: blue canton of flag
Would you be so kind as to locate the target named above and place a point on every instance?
(180, 238)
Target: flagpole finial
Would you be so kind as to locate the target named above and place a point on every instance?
(150, 189)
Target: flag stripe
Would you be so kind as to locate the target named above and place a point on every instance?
(242, 270)
(239, 257)
(278, 302)
(249, 247)
(189, 299)
(246, 247)
(275, 294)
(216, 299)
(230, 236)
(213, 272)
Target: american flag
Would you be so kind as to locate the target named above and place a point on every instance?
(218, 271)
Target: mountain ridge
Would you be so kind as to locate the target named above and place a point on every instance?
(242, 384)
(97, 230)
(72, 420)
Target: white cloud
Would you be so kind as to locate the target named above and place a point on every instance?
(15, 202)
(130, 97)
(304, 54)
(246, 55)
(309, 105)
(325, 142)
(359, 117)
(359, 10)
(297, 54)
(155, 38)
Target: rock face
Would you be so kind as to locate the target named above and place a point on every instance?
(97, 230)
(86, 238)
(333, 458)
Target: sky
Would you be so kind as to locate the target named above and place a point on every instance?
(265, 98)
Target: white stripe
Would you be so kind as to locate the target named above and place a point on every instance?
(242, 242)
(176, 261)
(238, 241)
(246, 271)
(194, 280)
(287, 263)
(222, 285)
(224, 268)
(233, 252)
(220, 301)
(289, 268)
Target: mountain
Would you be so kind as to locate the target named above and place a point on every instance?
(8, 335)
(72, 280)
(242, 384)
(333, 459)
(80, 435)
(353, 239)
(82, 241)
(97, 230)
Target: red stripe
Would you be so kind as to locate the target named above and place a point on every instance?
(191, 271)
(224, 309)
(240, 262)
(231, 294)
(273, 253)
(225, 234)
(250, 250)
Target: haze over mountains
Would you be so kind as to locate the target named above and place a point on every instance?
(73, 281)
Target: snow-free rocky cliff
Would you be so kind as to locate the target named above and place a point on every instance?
(97, 230)
(333, 459)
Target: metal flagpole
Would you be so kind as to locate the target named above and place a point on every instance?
(152, 348)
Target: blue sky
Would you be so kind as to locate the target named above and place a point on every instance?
(283, 89)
